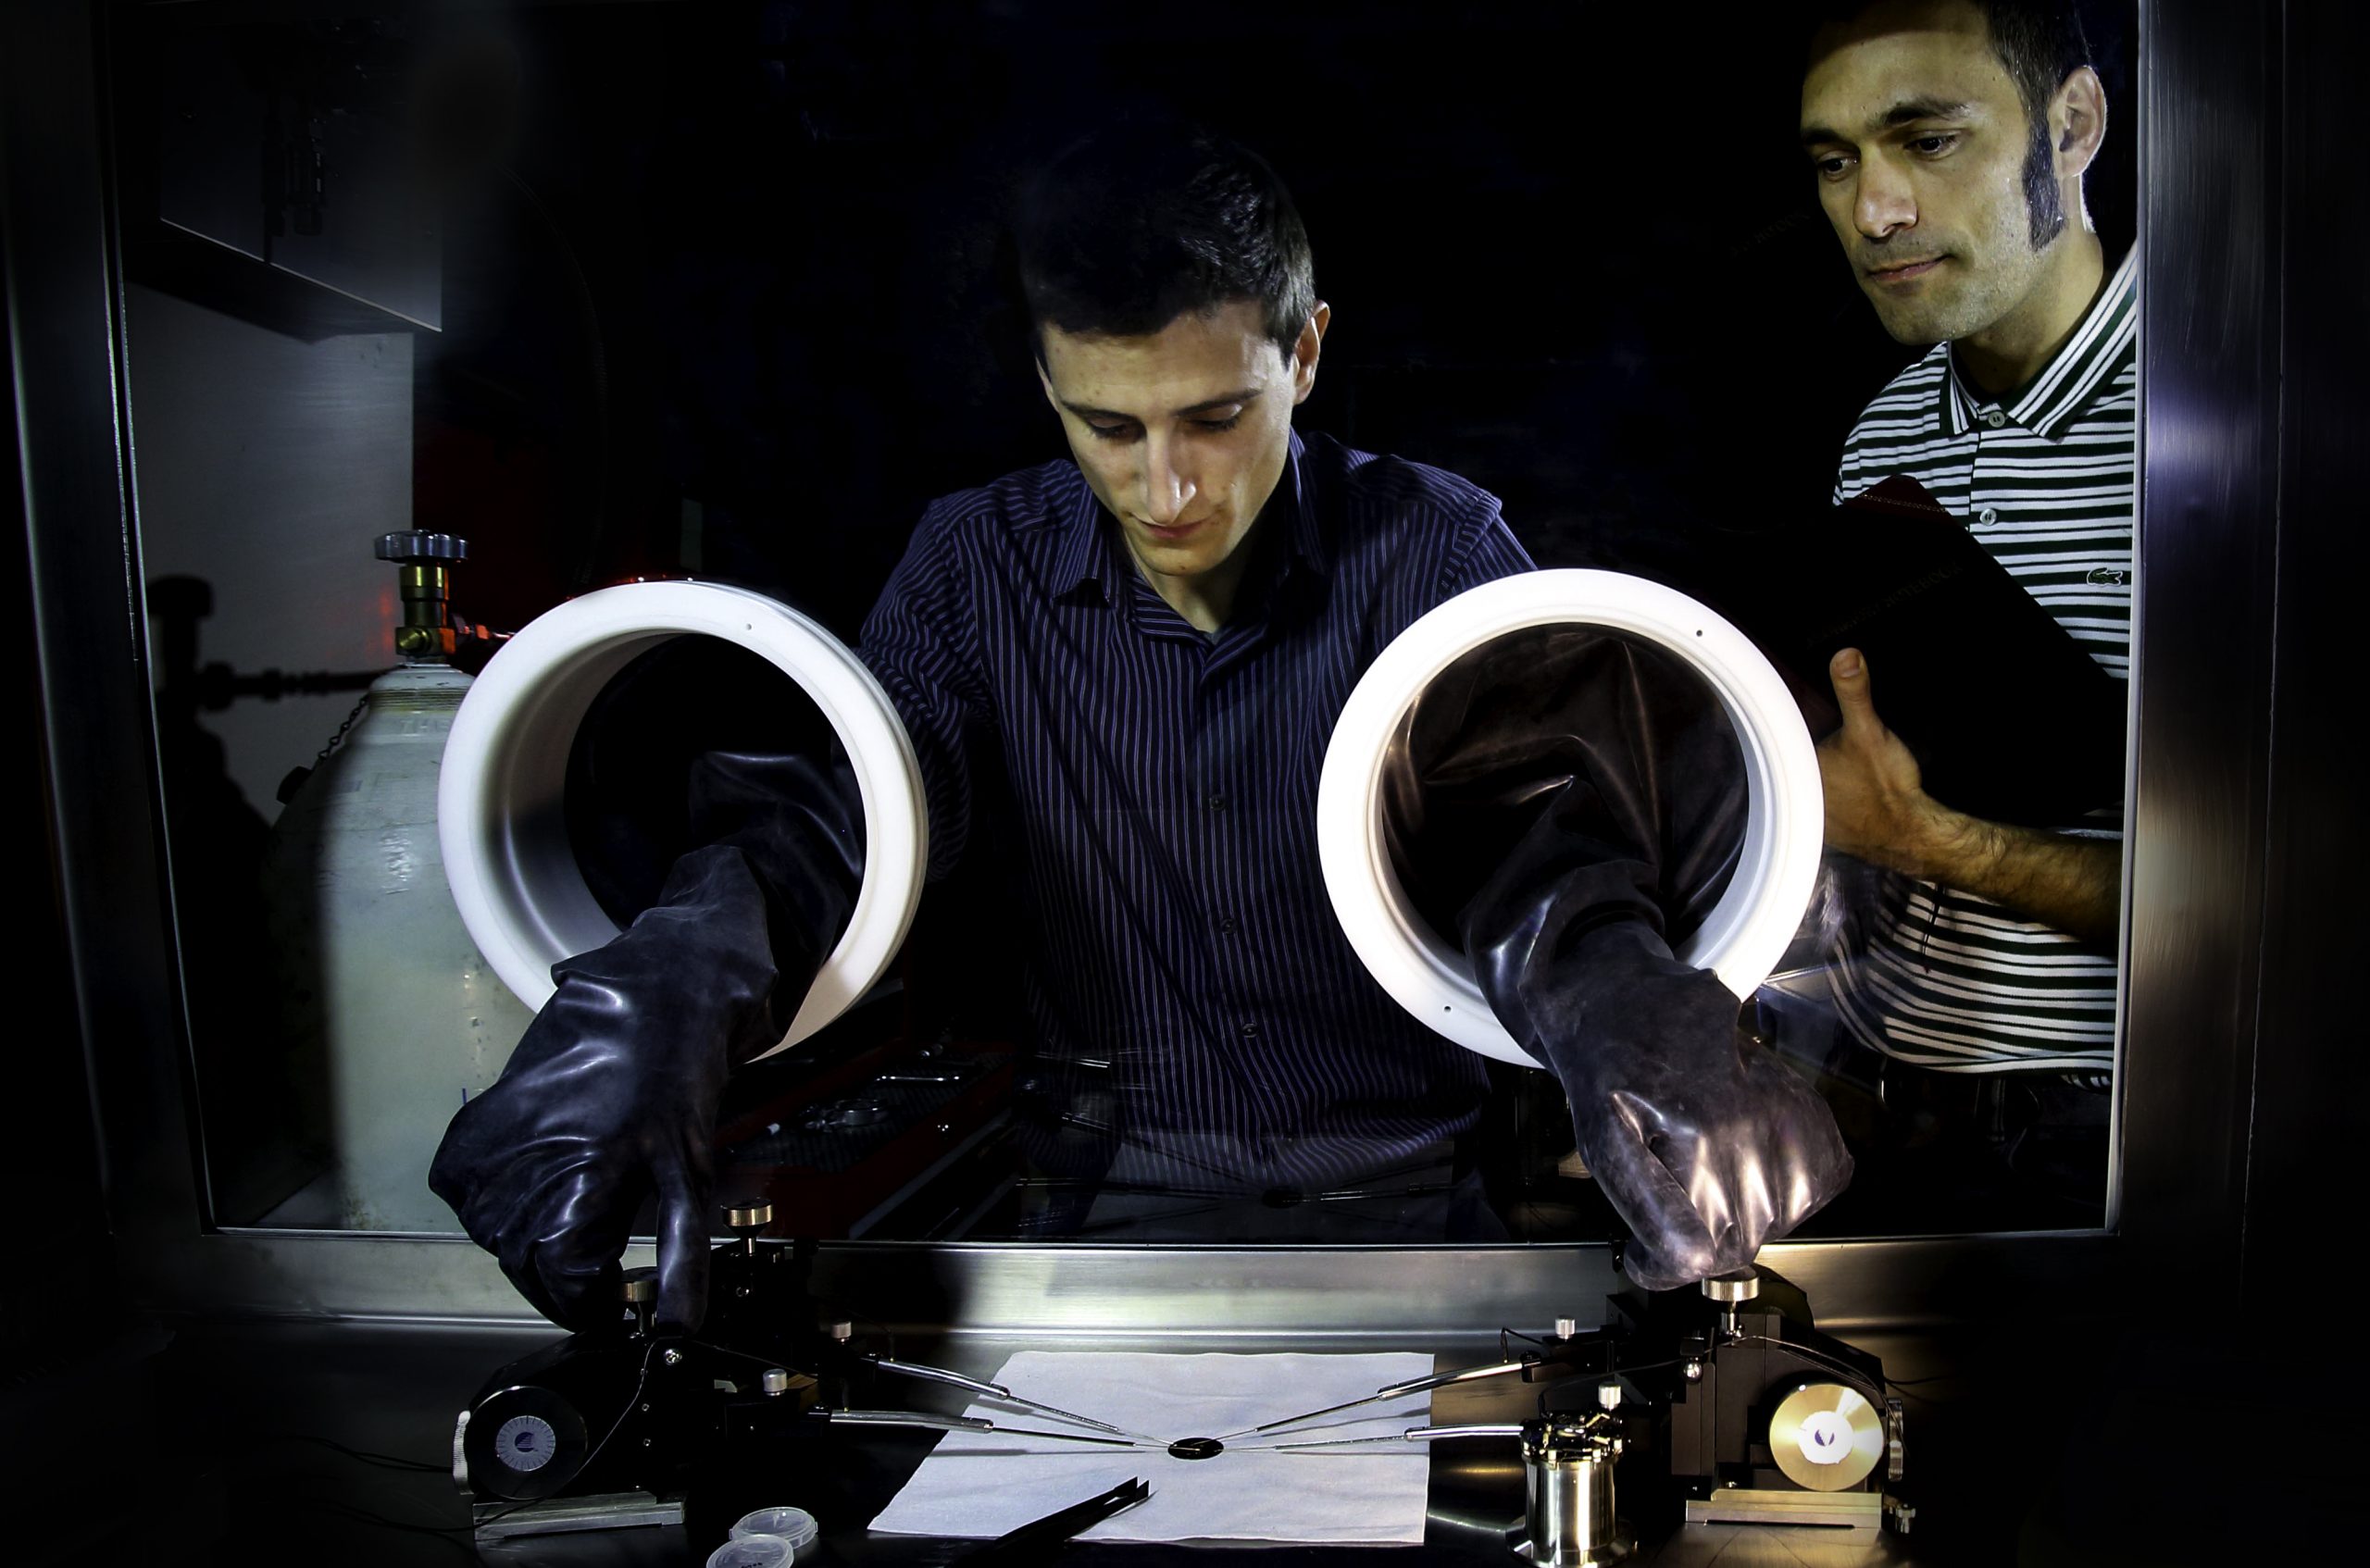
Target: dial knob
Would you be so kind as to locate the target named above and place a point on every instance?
(749, 1217)
(1742, 1285)
(421, 547)
(640, 1287)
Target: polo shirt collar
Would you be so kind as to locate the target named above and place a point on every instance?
(2046, 403)
(1092, 553)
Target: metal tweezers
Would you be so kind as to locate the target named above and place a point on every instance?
(1028, 1546)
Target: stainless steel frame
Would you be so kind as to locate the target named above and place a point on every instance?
(2212, 111)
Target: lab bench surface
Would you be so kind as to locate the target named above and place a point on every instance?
(324, 1442)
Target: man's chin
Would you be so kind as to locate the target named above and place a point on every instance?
(1908, 322)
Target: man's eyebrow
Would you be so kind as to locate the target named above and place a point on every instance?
(1247, 396)
(1907, 111)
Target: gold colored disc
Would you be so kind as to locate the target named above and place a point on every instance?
(1826, 1438)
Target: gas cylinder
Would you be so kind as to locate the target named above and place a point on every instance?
(382, 991)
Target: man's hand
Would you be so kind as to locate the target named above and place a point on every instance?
(611, 1099)
(1877, 810)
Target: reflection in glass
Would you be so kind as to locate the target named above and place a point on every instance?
(746, 320)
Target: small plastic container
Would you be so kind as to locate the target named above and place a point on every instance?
(793, 1525)
(754, 1552)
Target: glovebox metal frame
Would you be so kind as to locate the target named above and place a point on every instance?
(2195, 967)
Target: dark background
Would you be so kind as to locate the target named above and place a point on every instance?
(723, 290)
(744, 266)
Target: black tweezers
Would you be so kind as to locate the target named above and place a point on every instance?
(1029, 1543)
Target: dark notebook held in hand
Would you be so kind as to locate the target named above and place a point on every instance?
(2009, 718)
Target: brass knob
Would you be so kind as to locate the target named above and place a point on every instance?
(749, 1217)
(640, 1287)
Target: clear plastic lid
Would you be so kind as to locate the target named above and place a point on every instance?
(794, 1524)
(752, 1551)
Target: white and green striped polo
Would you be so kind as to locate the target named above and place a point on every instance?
(2045, 480)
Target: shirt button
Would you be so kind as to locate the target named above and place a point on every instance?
(1250, 1032)
(1216, 800)
(1994, 418)
(1226, 925)
(1988, 517)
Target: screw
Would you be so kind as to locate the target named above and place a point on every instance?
(1566, 1326)
(1695, 1372)
(672, 1358)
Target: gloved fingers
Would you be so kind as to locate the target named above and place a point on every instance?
(682, 1251)
(573, 1226)
(585, 1291)
(1673, 1243)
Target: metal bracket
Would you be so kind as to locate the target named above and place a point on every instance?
(1753, 1505)
(552, 1516)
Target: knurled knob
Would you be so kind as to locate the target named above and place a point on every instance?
(640, 1287)
(1742, 1285)
(422, 547)
(749, 1217)
(775, 1380)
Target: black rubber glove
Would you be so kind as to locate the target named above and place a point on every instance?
(1565, 799)
(611, 1093)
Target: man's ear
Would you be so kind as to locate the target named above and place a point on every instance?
(2077, 122)
(1304, 352)
(1046, 382)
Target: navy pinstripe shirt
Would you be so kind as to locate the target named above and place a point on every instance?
(1183, 968)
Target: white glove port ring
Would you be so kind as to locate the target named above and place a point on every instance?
(500, 805)
(1746, 932)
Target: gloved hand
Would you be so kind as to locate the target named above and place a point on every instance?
(1568, 801)
(611, 1093)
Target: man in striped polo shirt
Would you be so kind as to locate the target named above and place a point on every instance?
(1950, 139)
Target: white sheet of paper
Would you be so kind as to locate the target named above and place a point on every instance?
(984, 1484)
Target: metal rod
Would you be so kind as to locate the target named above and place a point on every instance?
(973, 1423)
(1397, 1390)
(1412, 1434)
(978, 1385)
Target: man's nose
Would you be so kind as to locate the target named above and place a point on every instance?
(1167, 487)
(1882, 205)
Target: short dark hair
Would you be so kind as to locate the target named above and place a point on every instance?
(2039, 43)
(1135, 225)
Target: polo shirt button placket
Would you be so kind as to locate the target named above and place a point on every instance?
(1986, 516)
(1994, 418)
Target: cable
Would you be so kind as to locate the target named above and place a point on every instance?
(384, 1460)
(1831, 1362)
(447, 1533)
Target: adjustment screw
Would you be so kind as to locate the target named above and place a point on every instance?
(672, 1358)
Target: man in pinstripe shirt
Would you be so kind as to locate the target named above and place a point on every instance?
(1119, 673)
(1122, 668)
(1949, 141)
